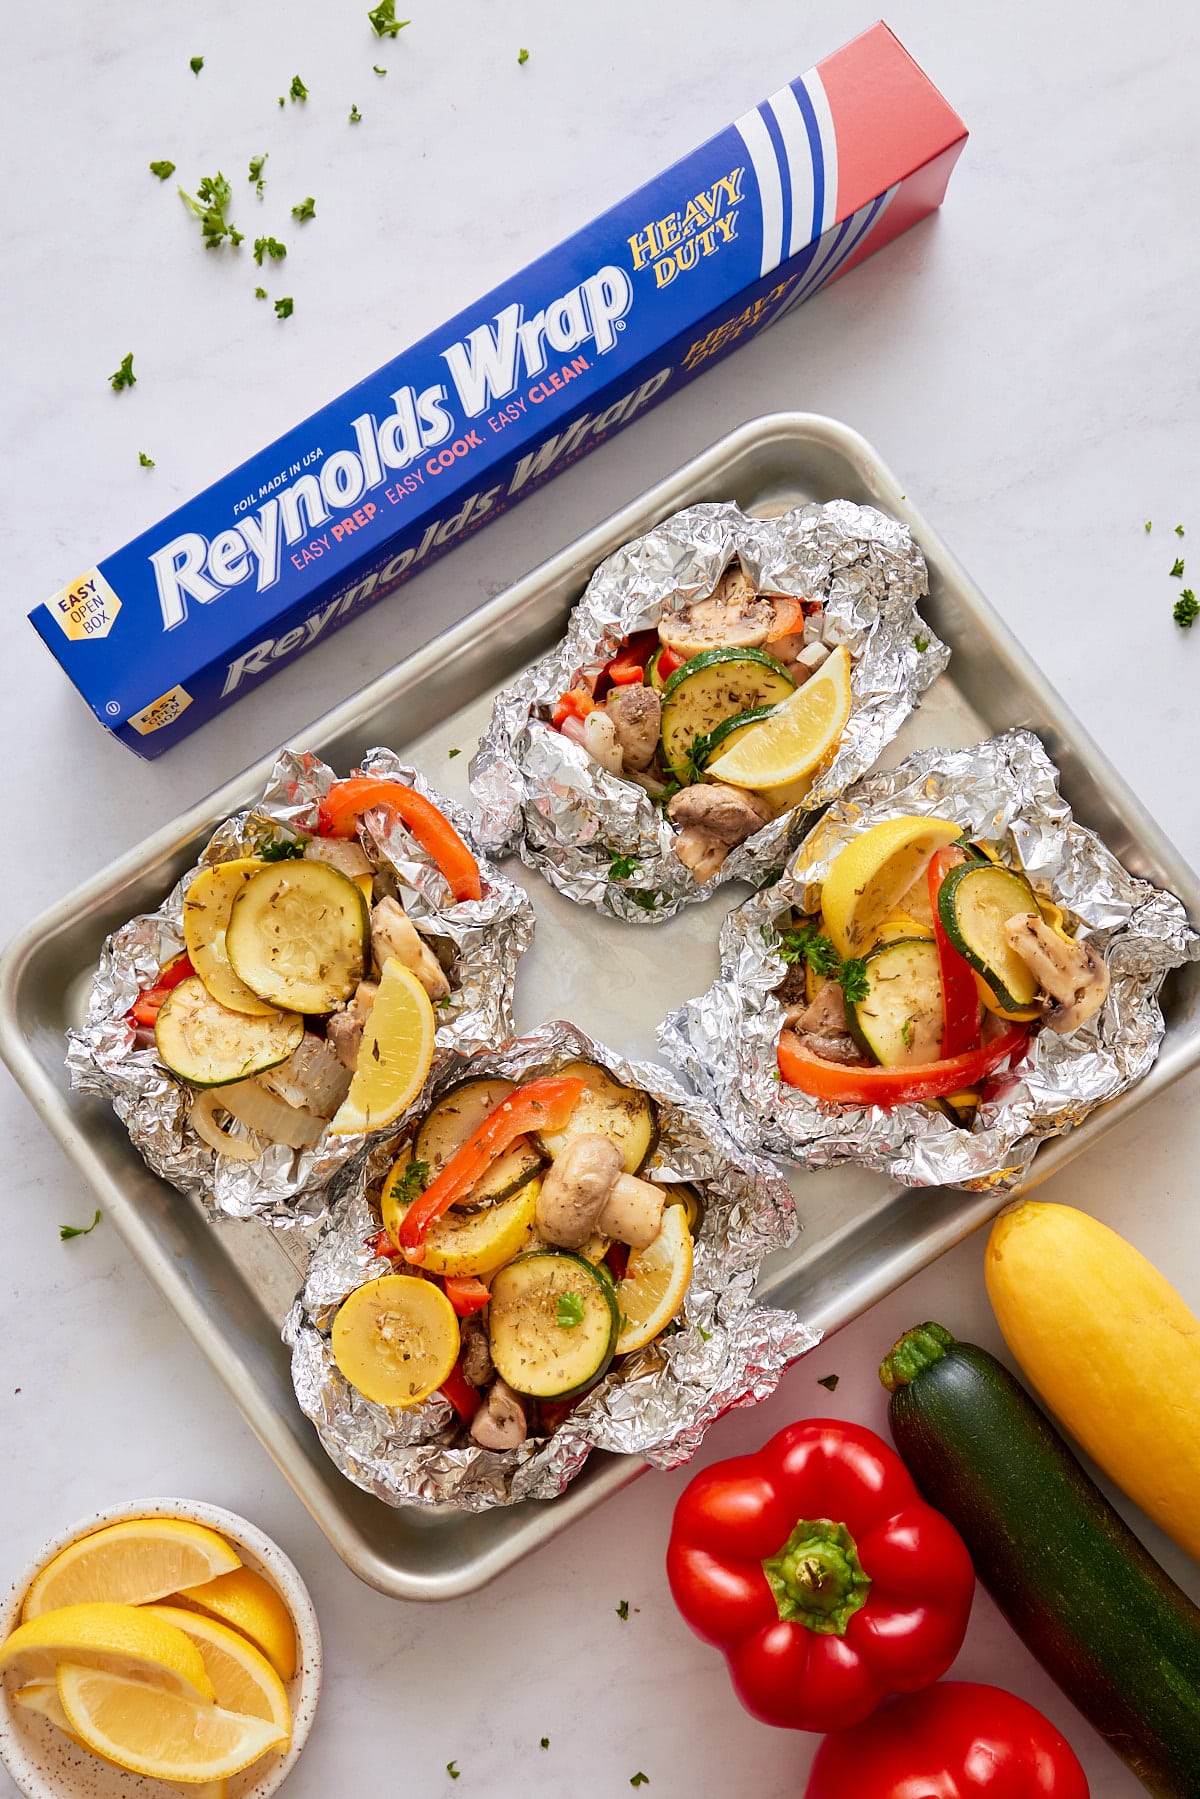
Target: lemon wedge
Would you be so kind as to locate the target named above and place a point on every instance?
(871, 874)
(656, 1280)
(394, 1057)
(122, 1640)
(243, 1680)
(250, 1604)
(797, 737)
(130, 1563)
(41, 1696)
(396, 1339)
(147, 1731)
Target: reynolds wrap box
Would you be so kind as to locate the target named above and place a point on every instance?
(193, 614)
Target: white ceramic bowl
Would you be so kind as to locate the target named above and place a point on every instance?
(47, 1765)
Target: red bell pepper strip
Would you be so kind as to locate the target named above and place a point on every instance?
(148, 1004)
(382, 1245)
(465, 1398)
(616, 1260)
(889, 1087)
(540, 1105)
(347, 800)
(628, 666)
(957, 1740)
(818, 1569)
(466, 1293)
(668, 662)
(960, 997)
(576, 703)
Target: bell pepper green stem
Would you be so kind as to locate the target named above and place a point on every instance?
(817, 1578)
(917, 1350)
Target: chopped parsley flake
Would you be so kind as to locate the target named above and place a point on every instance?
(377, 69)
(1186, 609)
(67, 1231)
(804, 943)
(453, 1771)
(384, 22)
(906, 1033)
(284, 308)
(853, 976)
(268, 246)
(124, 376)
(1179, 530)
(212, 197)
(705, 1336)
(307, 209)
(829, 1382)
(145, 461)
(647, 898)
(196, 64)
(281, 100)
(162, 169)
(639, 1779)
(623, 1611)
(622, 868)
(411, 1184)
(298, 91)
(256, 172)
(569, 1311)
(260, 293)
(545, 1742)
(1149, 525)
(355, 115)
(522, 57)
(1177, 568)
(453, 753)
(921, 644)
(281, 849)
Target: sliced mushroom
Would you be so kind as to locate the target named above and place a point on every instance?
(827, 1012)
(600, 741)
(636, 714)
(500, 1421)
(733, 615)
(344, 1030)
(1075, 975)
(712, 820)
(393, 934)
(587, 1190)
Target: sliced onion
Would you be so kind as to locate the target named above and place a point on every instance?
(210, 1132)
(271, 1118)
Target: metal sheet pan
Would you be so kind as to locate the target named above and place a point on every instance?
(231, 1282)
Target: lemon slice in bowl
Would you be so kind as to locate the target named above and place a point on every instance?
(131, 1563)
(656, 1280)
(123, 1640)
(249, 1603)
(867, 879)
(147, 1731)
(243, 1680)
(394, 1057)
(797, 737)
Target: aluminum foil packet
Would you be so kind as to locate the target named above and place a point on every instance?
(599, 838)
(726, 1352)
(1003, 792)
(482, 941)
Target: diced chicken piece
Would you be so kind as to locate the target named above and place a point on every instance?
(393, 934)
(344, 1030)
(712, 820)
(313, 1078)
(636, 714)
(342, 853)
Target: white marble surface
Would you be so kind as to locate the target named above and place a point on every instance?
(1027, 362)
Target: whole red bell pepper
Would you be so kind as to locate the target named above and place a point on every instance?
(956, 1740)
(343, 805)
(960, 996)
(818, 1569)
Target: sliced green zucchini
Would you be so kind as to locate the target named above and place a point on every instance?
(608, 1109)
(452, 1120)
(900, 1018)
(298, 935)
(713, 687)
(725, 735)
(975, 902)
(206, 1044)
(553, 1324)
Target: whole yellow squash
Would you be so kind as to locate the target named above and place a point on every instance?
(1111, 1348)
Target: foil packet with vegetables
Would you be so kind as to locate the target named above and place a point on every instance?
(951, 971)
(229, 1028)
(556, 1254)
(721, 676)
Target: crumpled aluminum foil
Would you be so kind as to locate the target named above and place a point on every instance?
(542, 794)
(1005, 789)
(286, 1187)
(728, 1352)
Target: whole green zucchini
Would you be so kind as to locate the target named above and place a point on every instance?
(1078, 1588)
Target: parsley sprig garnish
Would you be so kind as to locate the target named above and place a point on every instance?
(298, 91)
(124, 376)
(412, 1183)
(569, 1311)
(268, 246)
(67, 1231)
(162, 169)
(384, 22)
(1186, 609)
(307, 209)
(256, 172)
(281, 849)
(622, 868)
(284, 308)
(804, 943)
(211, 198)
(1177, 569)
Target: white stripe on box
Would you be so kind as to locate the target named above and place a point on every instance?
(786, 108)
(761, 151)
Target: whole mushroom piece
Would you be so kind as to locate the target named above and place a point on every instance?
(1075, 975)
(713, 820)
(588, 1190)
